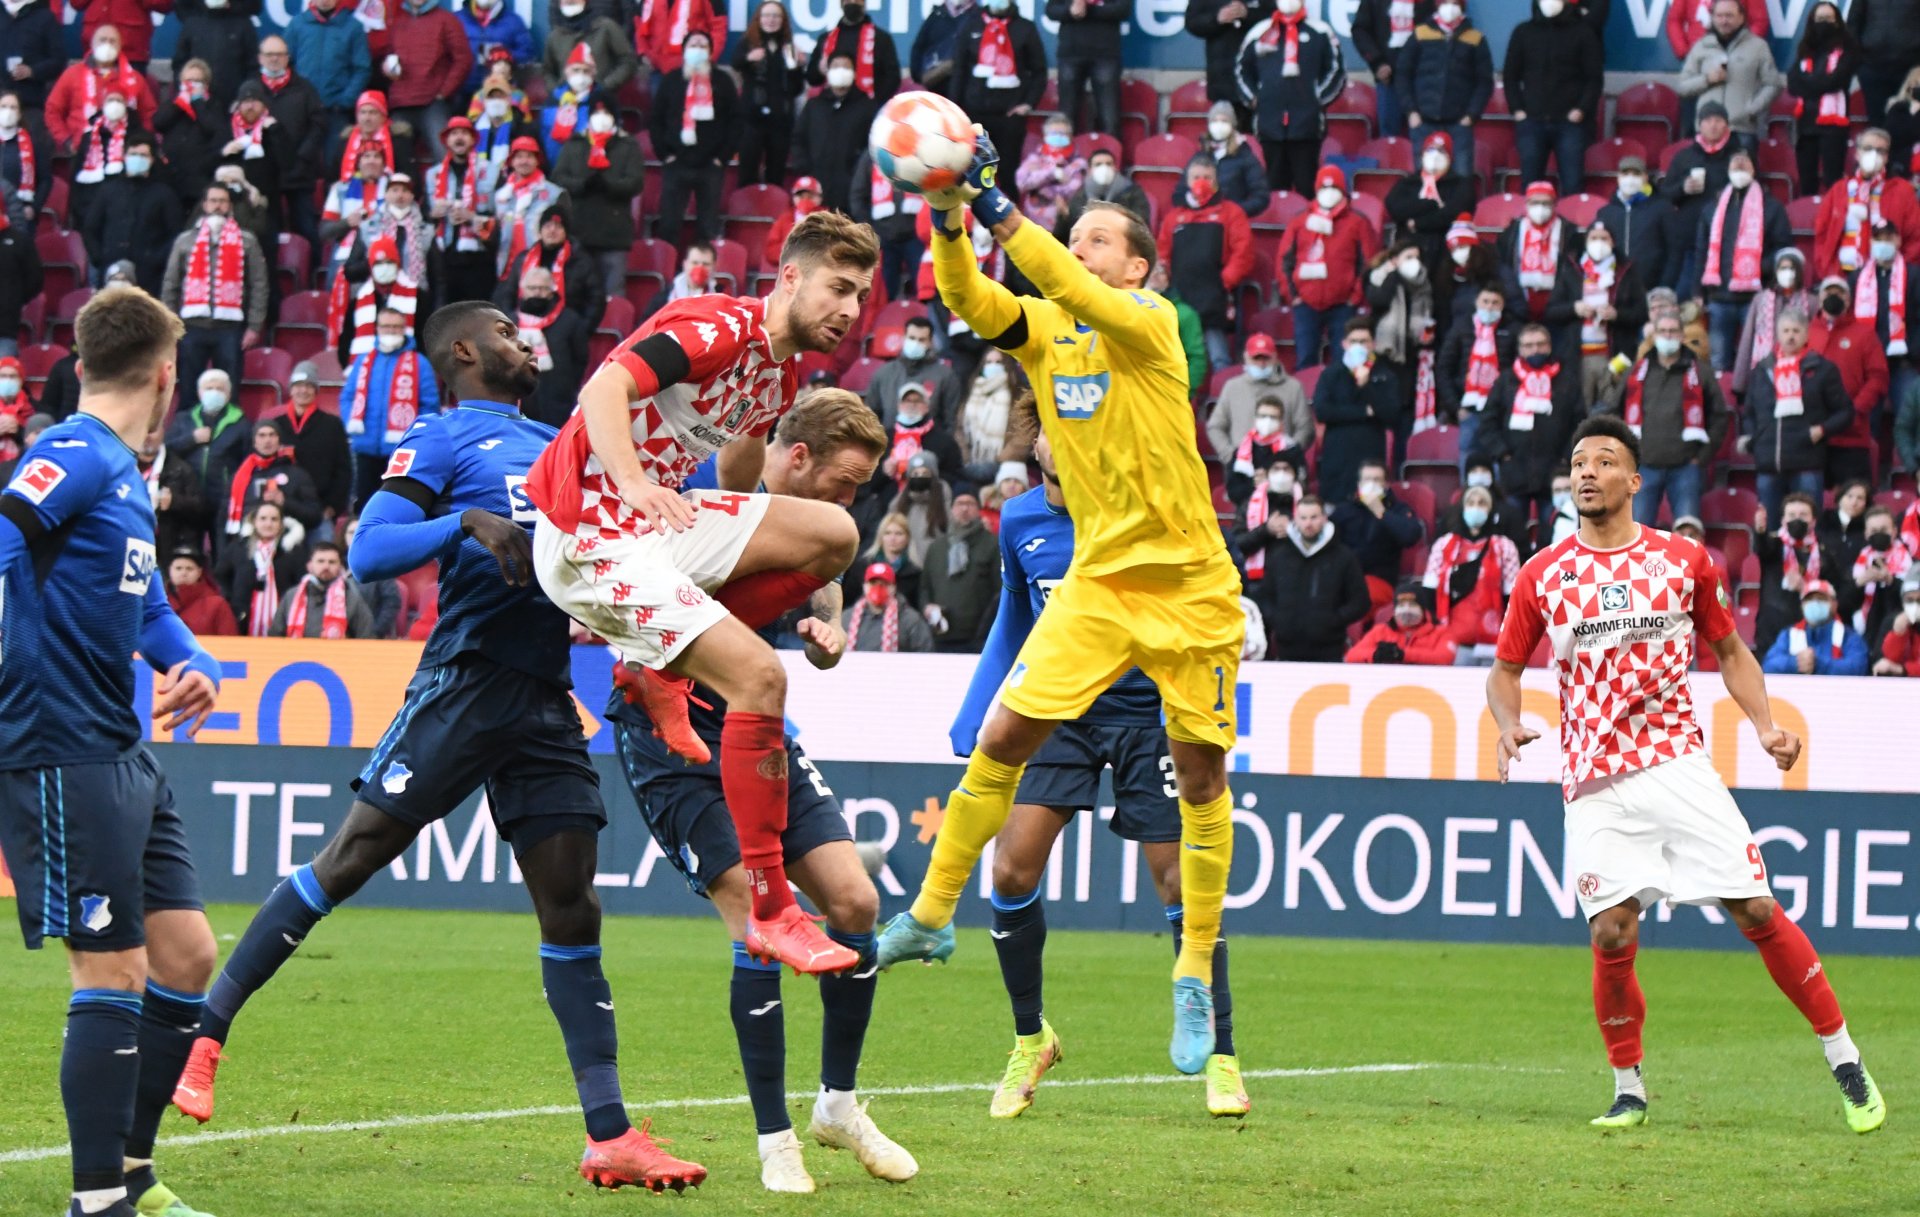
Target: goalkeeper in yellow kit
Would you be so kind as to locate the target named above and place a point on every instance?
(1151, 584)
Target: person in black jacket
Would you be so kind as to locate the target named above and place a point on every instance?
(1555, 72)
(930, 63)
(772, 73)
(833, 133)
(893, 213)
(134, 217)
(1527, 433)
(180, 514)
(1598, 309)
(1720, 283)
(1313, 588)
(1358, 400)
(1425, 203)
(1693, 181)
(1088, 49)
(260, 146)
(60, 396)
(265, 562)
(870, 51)
(695, 139)
(192, 130)
(1820, 77)
(224, 38)
(1642, 222)
(559, 338)
(21, 142)
(1445, 78)
(1290, 72)
(999, 73)
(1462, 385)
(1223, 26)
(1380, 29)
(21, 279)
(1377, 527)
(1789, 431)
(298, 110)
(580, 281)
(30, 35)
(318, 440)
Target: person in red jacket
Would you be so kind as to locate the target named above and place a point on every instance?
(1843, 227)
(81, 91)
(1851, 345)
(662, 27)
(1900, 649)
(1407, 636)
(131, 19)
(807, 199)
(427, 68)
(198, 603)
(1323, 254)
(1206, 242)
(1688, 21)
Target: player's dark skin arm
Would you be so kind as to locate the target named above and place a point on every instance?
(1503, 700)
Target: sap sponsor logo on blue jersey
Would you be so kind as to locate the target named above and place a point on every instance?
(137, 571)
(524, 512)
(1077, 397)
(398, 775)
(96, 913)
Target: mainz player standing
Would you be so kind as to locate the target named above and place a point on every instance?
(1647, 815)
(680, 582)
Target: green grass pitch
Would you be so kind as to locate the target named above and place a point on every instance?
(386, 1015)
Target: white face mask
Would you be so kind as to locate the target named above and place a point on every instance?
(1552, 8)
(1871, 161)
(1450, 12)
(1328, 198)
(1435, 162)
(1289, 7)
(1486, 316)
(572, 10)
(385, 272)
(1280, 481)
(601, 123)
(1540, 213)
(992, 371)
(391, 342)
(1480, 477)
(1266, 426)
(840, 78)
(1101, 175)
(1630, 186)
(1912, 610)
(9, 119)
(213, 400)
(105, 53)
(114, 111)
(9, 386)
(1599, 251)
(1740, 179)
(1260, 371)
(496, 108)
(1668, 347)
(1561, 498)
(913, 349)
(1883, 251)
(1219, 131)
(581, 83)
(1356, 357)
(1411, 270)
(1461, 254)
(1787, 277)
(695, 57)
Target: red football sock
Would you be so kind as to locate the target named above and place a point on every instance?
(753, 777)
(762, 598)
(1618, 1004)
(1795, 967)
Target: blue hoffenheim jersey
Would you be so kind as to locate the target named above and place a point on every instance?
(1036, 548)
(72, 610)
(477, 456)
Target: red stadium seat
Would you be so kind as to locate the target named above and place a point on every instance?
(1282, 206)
(1896, 501)
(617, 320)
(1441, 480)
(1728, 505)
(1802, 212)
(293, 263)
(1602, 165)
(761, 201)
(652, 262)
(1217, 381)
(1417, 497)
(302, 329)
(31, 315)
(326, 366)
(1580, 209)
(1089, 142)
(856, 378)
(1187, 110)
(1670, 151)
(730, 267)
(1435, 445)
(63, 261)
(1372, 210)
(60, 325)
(56, 205)
(1648, 112)
(1309, 379)
(1493, 213)
(1393, 152)
(267, 365)
(37, 360)
(885, 341)
(1140, 105)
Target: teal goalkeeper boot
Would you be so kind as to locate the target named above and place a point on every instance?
(904, 939)
(1192, 1024)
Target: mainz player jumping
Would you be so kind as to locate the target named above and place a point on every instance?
(680, 582)
(1648, 818)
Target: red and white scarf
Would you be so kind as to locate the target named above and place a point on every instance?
(403, 396)
(1399, 23)
(863, 56)
(24, 146)
(1790, 557)
(534, 329)
(1483, 364)
(1539, 254)
(1766, 306)
(1836, 636)
(1532, 394)
(996, 64)
(1456, 551)
(1312, 263)
(889, 623)
(1426, 391)
(353, 189)
(402, 296)
(333, 615)
(1866, 301)
(886, 199)
(1747, 242)
(1597, 282)
(1429, 186)
(254, 133)
(1787, 390)
(266, 591)
(126, 82)
(566, 114)
(907, 443)
(1910, 528)
(1858, 224)
(252, 467)
(1833, 106)
(106, 151)
(522, 199)
(1693, 402)
(357, 139)
(216, 282)
(470, 237)
(1258, 509)
(698, 107)
(597, 142)
(1898, 559)
(1290, 28)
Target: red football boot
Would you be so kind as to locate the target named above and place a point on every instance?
(635, 1158)
(795, 939)
(193, 1093)
(665, 699)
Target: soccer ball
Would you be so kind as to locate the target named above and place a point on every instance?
(922, 142)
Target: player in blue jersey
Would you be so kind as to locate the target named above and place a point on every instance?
(490, 705)
(1122, 731)
(825, 450)
(98, 854)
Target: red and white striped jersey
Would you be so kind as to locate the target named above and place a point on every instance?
(733, 387)
(1620, 624)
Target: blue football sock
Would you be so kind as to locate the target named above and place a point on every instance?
(846, 1002)
(169, 1023)
(761, 1028)
(1019, 938)
(99, 1073)
(277, 930)
(582, 1003)
(1222, 992)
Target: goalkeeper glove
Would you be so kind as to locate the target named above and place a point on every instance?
(978, 189)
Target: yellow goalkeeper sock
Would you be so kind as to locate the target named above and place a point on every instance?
(975, 812)
(1206, 854)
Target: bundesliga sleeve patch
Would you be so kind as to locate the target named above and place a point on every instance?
(37, 480)
(401, 462)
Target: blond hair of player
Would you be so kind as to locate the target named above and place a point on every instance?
(1151, 584)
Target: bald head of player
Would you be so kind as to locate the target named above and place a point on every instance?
(478, 351)
(826, 274)
(1606, 475)
(1114, 243)
(826, 448)
(126, 342)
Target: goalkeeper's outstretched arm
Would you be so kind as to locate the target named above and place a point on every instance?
(987, 307)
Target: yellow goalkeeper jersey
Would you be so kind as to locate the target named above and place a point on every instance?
(1110, 379)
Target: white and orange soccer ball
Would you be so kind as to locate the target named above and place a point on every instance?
(922, 142)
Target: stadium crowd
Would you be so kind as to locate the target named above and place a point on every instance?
(1395, 315)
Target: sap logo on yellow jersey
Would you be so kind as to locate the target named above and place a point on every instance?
(1077, 397)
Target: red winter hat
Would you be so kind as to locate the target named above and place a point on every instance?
(458, 122)
(1438, 141)
(880, 571)
(1542, 189)
(10, 364)
(383, 247)
(1261, 344)
(807, 184)
(582, 57)
(1330, 175)
(374, 98)
(1817, 587)
(526, 143)
(1462, 232)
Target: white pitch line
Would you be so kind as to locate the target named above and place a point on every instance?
(521, 1113)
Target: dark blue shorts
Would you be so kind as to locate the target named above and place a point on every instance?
(471, 723)
(1065, 774)
(92, 849)
(687, 813)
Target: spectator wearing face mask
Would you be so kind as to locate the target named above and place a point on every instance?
(1554, 74)
(82, 95)
(1879, 291)
(832, 136)
(1290, 72)
(1820, 643)
(1262, 376)
(566, 111)
(873, 58)
(894, 213)
(1848, 342)
(1843, 227)
(1470, 268)
(1881, 567)
(916, 363)
(1531, 250)
(217, 280)
(30, 433)
(1471, 358)
(559, 338)
(1406, 333)
(1694, 180)
(1258, 448)
(599, 29)
(1312, 589)
(210, 435)
(1786, 288)
(16, 408)
(1322, 260)
(1359, 402)
(694, 122)
(806, 200)
(255, 571)
(772, 71)
(383, 286)
(1242, 176)
(1424, 204)
(986, 417)
(459, 203)
(694, 278)
(1599, 304)
(1223, 26)
(577, 278)
(1672, 401)
(1207, 245)
(1089, 55)
(603, 170)
(1641, 222)
(882, 619)
(1265, 510)
(1380, 28)
(1900, 645)
(916, 429)
(324, 603)
(999, 75)
(100, 152)
(197, 602)
(1820, 77)
(1531, 414)
(1795, 404)
(1104, 183)
(1791, 557)
(1736, 239)
(498, 124)
(26, 159)
(1379, 529)
(318, 440)
(1051, 175)
(268, 475)
(961, 577)
(522, 203)
(387, 389)
(1445, 78)
(1566, 517)
(1471, 571)
(924, 501)
(1406, 636)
